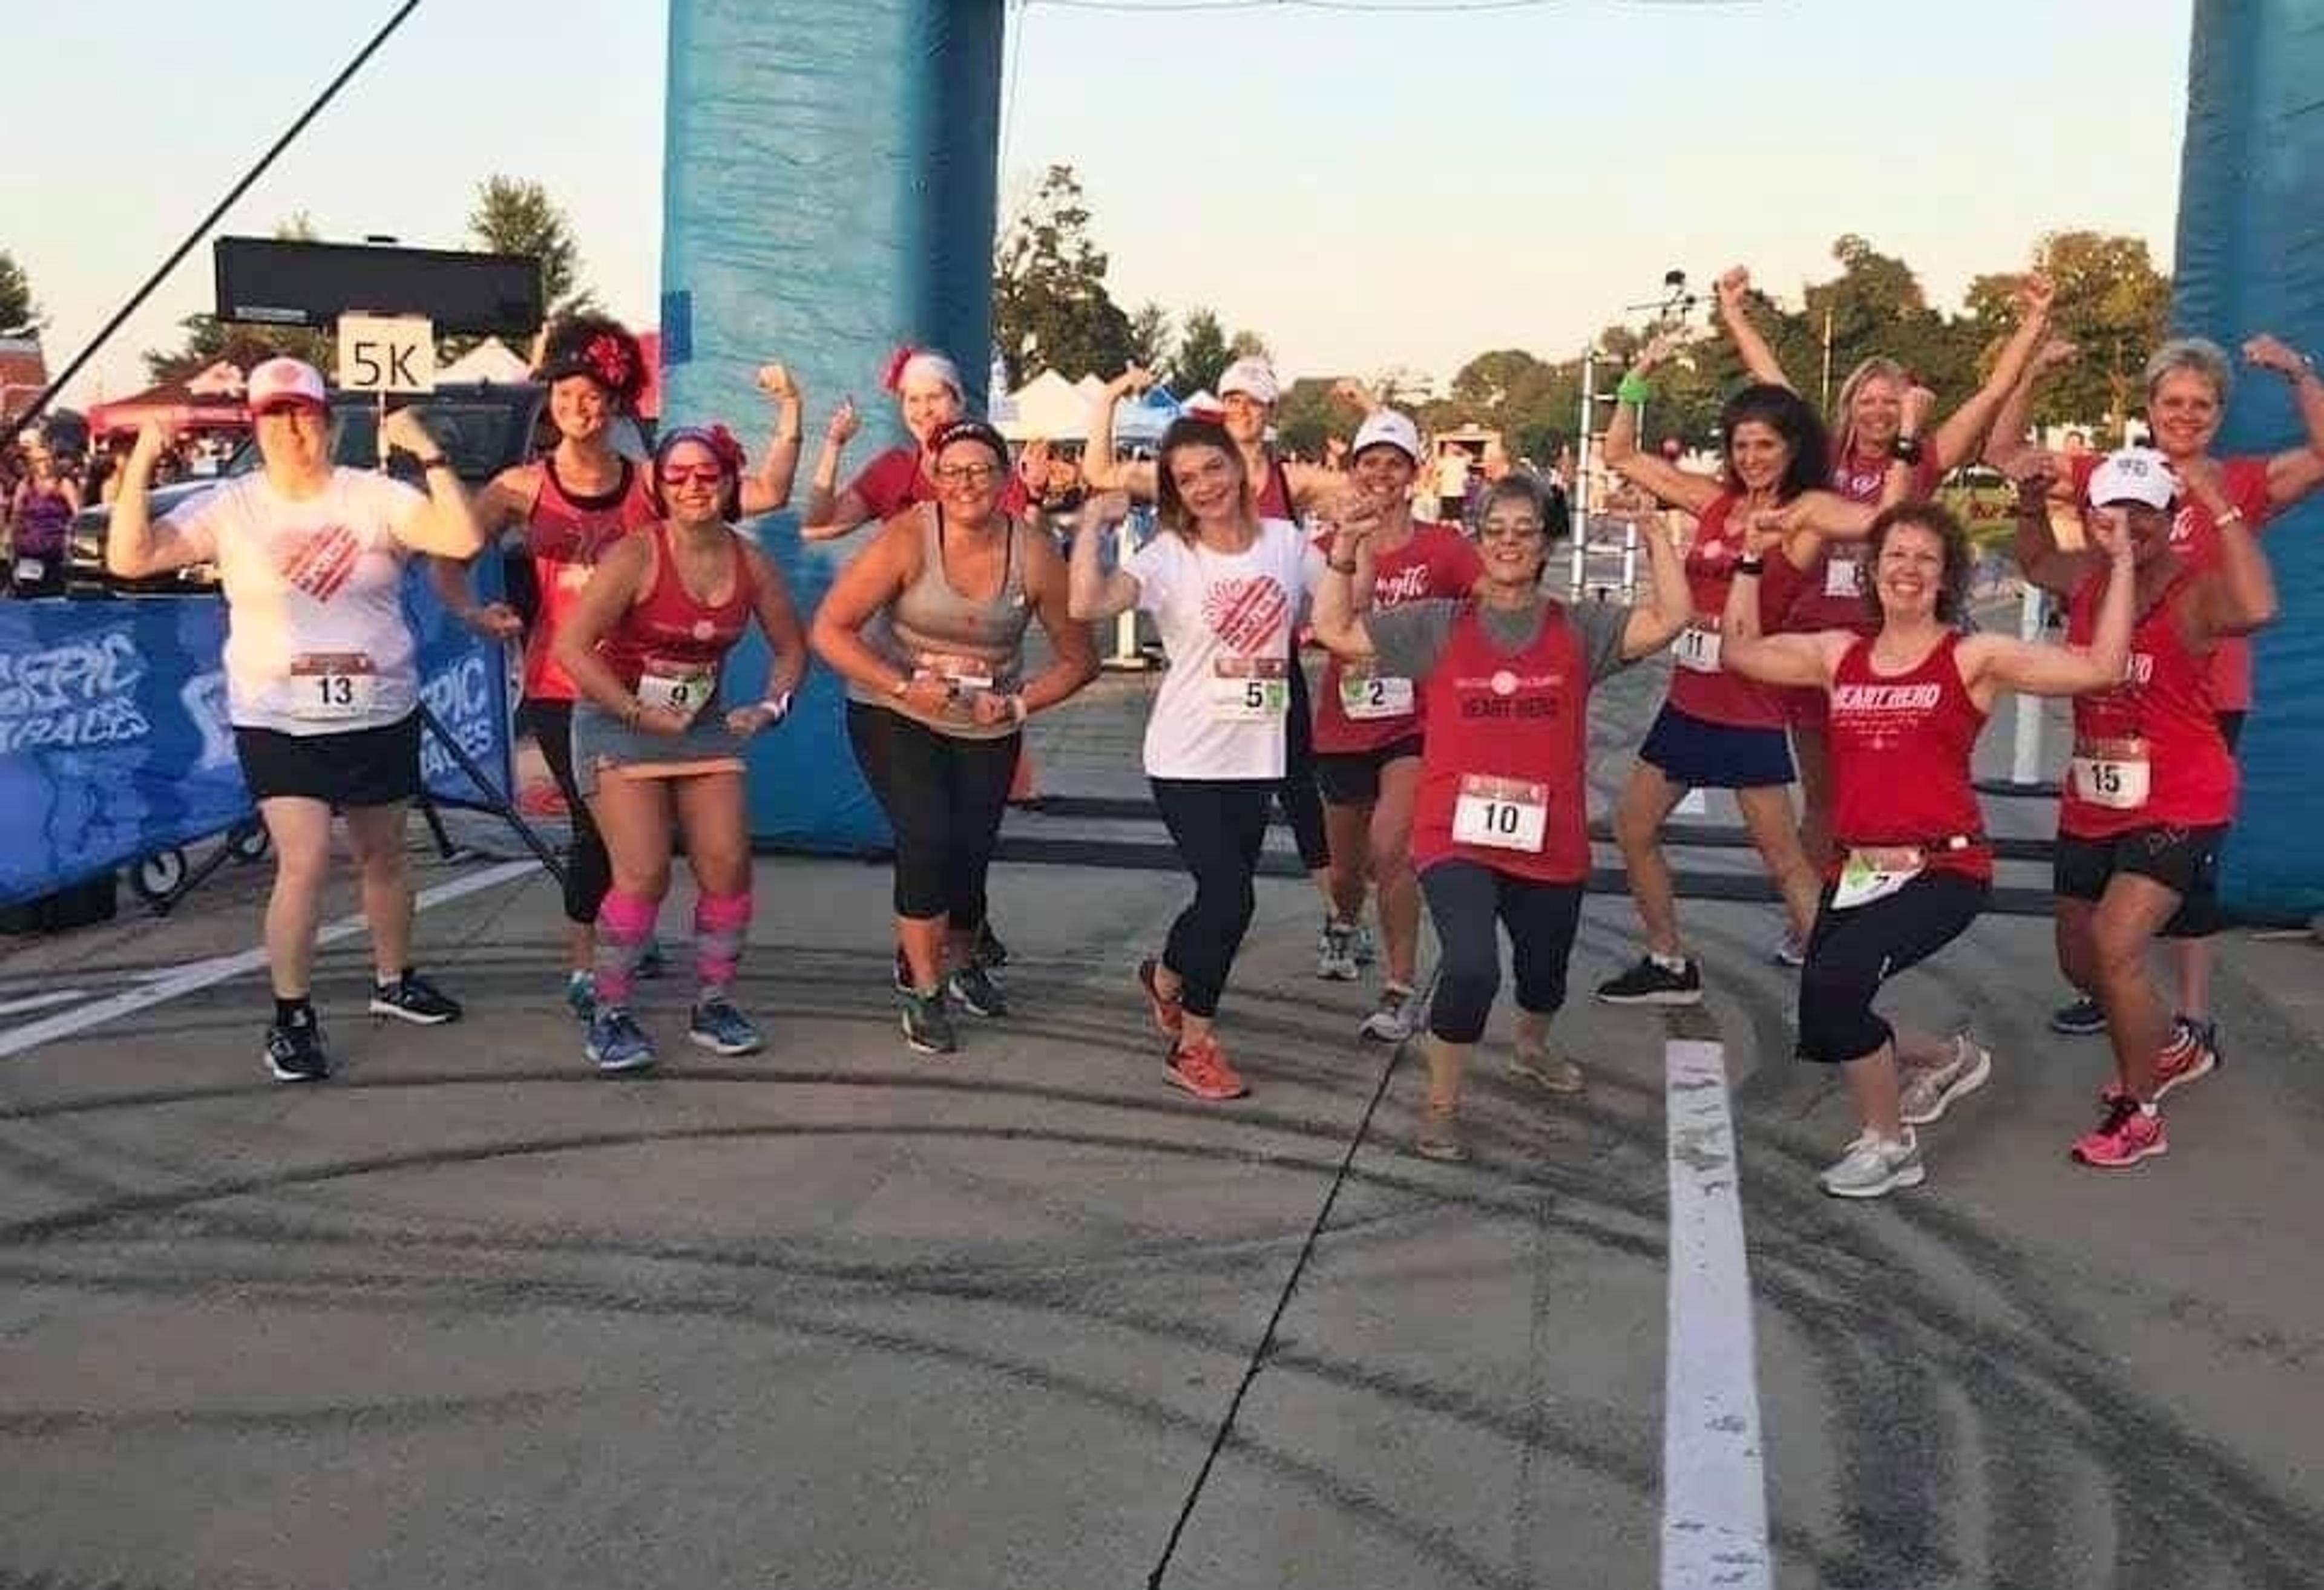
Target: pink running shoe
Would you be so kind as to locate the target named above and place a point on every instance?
(2184, 1059)
(1169, 1015)
(2125, 1135)
(1202, 1070)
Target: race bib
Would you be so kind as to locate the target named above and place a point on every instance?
(332, 685)
(31, 571)
(962, 673)
(1504, 814)
(670, 687)
(1839, 578)
(1875, 872)
(1364, 694)
(1249, 689)
(2110, 773)
(1697, 648)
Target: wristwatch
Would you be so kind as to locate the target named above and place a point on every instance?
(1750, 566)
(1907, 449)
(437, 461)
(776, 707)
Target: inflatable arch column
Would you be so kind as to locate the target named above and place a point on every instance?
(828, 191)
(2250, 258)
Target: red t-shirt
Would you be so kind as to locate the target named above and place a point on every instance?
(897, 479)
(2147, 753)
(1900, 745)
(1700, 686)
(2195, 537)
(1507, 742)
(1359, 711)
(565, 535)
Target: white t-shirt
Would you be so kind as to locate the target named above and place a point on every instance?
(316, 637)
(1226, 622)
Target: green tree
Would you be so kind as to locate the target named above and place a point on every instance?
(1308, 413)
(1050, 306)
(2111, 303)
(1204, 352)
(514, 216)
(19, 315)
(1151, 338)
(1250, 344)
(208, 339)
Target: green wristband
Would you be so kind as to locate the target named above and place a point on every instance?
(1635, 389)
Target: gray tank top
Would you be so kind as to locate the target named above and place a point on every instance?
(931, 628)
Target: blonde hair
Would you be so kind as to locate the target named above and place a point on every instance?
(1844, 411)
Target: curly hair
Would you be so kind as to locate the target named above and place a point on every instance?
(1952, 582)
(599, 347)
(1790, 416)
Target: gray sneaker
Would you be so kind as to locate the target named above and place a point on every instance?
(1553, 1074)
(1335, 953)
(1872, 1167)
(1928, 1092)
(1396, 1019)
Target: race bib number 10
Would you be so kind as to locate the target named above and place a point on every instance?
(1504, 813)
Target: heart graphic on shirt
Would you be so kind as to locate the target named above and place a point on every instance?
(1246, 615)
(704, 628)
(318, 562)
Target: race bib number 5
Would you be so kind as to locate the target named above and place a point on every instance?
(677, 687)
(1697, 647)
(1365, 696)
(1503, 814)
(2111, 773)
(327, 685)
(1249, 689)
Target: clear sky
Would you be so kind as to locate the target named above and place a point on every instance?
(1403, 187)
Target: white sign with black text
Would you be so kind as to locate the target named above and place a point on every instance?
(387, 353)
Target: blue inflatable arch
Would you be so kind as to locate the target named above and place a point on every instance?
(830, 191)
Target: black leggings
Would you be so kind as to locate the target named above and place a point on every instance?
(1851, 953)
(943, 797)
(1464, 899)
(1301, 802)
(588, 871)
(1218, 826)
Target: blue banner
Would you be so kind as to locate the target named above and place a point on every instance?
(113, 739)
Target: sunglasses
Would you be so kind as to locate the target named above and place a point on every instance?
(701, 474)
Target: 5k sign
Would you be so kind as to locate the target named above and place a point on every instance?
(387, 353)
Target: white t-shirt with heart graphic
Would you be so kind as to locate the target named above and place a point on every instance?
(1226, 622)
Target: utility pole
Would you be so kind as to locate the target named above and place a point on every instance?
(1825, 403)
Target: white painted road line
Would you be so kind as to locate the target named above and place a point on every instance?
(203, 974)
(41, 1001)
(1714, 1478)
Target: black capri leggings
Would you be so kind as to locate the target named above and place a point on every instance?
(1465, 898)
(1302, 801)
(1218, 826)
(943, 797)
(588, 871)
(1851, 953)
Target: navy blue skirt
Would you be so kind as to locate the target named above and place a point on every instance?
(1699, 755)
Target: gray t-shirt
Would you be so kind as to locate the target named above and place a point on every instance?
(1409, 637)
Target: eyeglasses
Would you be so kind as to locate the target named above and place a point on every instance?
(701, 474)
(1509, 530)
(968, 474)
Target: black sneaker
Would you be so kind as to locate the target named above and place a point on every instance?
(295, 1054)
(2078, 1020)
(927, 1025)
(978, 994)
(1650, 982)
(988, 951)
(414, 999)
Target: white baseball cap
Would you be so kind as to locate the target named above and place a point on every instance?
(1252, 376)
(284, 381)
(2134, 474)
(1386, 427)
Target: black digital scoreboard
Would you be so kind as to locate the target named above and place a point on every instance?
(287, 281)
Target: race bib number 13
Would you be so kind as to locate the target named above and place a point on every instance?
(329, 685)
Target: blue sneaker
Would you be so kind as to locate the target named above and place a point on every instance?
(581, 995)
(616, 1042)
(722, 1029)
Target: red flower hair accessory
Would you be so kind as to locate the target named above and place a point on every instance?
(610, 358)
(892, 376)
(725, 449)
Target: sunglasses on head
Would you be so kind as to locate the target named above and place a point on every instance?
(700, 475)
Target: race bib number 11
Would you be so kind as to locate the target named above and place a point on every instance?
(1697, 648)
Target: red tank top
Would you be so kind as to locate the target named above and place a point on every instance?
(565, 535)
(2146, 753)
(672, 633)
(1357, 711)
(1900, 745)
(1831, 593)
(1698, 686)
(1507, 742)
(1275, 492)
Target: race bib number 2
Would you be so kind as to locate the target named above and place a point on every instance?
(1365, 696)
(1249, 689)
(1502, 814)
(330, 685)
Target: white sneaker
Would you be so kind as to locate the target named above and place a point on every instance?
(1873, 1166)
(1791, 950)
(1396, 1019)
(1930, 1091)
(1335, 954)
(1367, 945)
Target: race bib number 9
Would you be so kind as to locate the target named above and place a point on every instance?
(1697, 647)
(1503, 814)
(330, 685)
(1249, 689)
(669, 687)
(2111, 773)
(1365, 696)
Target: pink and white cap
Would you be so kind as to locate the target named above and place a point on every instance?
(280, 382)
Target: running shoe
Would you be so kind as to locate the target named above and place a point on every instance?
(581, 995)
(988, 951)
(1335, 953)
(928, 1024)
(2126, 1134)
(2190, 1054)
(1553, 1074)
(414, 999)
(651, 961)
(976, 991)
(1438, 1137)
(1367, 944)
(1202, 1070)
(1650, 982)
(295, 1054)
(1873, 1167)
(1396, 1019)
(616, 1042)
(903, 973)
(722, 1029)
(1792, 949)
(1169, 1015)
(2080, 1019)
(1930, 1091)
